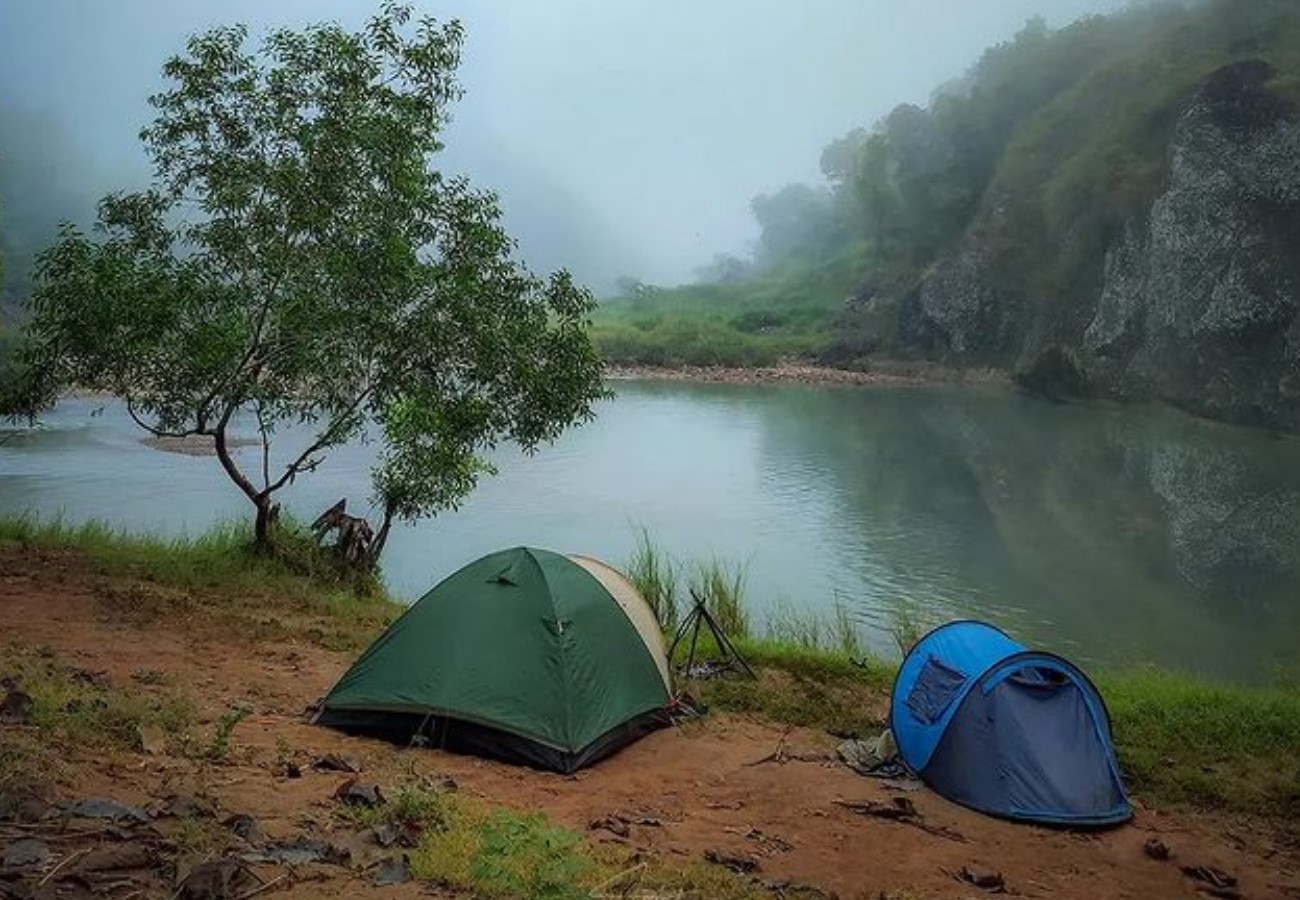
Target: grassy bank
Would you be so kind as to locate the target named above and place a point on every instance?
(147, 577)
(1182, 742)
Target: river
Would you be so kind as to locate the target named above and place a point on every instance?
(1119, 536)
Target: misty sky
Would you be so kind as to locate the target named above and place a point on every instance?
(624, 136)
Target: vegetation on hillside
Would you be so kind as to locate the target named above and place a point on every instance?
(787, 314)
(1044, 150)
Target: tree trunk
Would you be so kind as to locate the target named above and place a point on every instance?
(381, 538)
(267, 513)
(355, 539)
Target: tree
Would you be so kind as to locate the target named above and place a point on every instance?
(795, 220)
(297, 260)
(839, 159)
(724, 268)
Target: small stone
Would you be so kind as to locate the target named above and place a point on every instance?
(24, 853)
(354, 793)
(1156, 849)
(333, 762)
(984, 879)
(96, 808)
(16, 708)
(245, 826)
(393, 871)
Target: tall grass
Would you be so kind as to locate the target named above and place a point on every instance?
(655, 576)
(721, 587)
(810, 631)
(905, 626)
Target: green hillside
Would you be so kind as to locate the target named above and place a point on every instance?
(1037, 160)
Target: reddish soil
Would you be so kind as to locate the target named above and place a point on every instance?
(701, 781)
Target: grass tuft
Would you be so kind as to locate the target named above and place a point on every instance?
(655, 576)
(466, 846)
(836, 636)
(722, 589)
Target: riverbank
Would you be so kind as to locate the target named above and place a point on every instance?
(172, 676)
(885, 373)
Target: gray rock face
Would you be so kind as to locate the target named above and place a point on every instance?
(1200, 303)
(954, 298)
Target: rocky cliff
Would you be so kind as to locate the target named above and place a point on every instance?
(1193, 302)
(1199, 302)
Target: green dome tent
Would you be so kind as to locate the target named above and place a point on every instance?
(524, 655)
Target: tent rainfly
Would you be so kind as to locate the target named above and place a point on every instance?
(1007, 731)
(524, 655)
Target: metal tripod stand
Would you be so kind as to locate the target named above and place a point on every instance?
(700, 617)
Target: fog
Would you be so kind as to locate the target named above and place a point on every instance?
(625, 138)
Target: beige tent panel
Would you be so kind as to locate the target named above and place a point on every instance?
(635, 607)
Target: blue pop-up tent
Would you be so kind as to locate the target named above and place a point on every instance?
(1007, 731)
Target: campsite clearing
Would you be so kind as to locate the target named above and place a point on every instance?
(672, 801)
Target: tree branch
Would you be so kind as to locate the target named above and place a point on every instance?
(263, 312)
(266, 447)
(381, 536)
(158, 432)
(325, 439)
(227, 462)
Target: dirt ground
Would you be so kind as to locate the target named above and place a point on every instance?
(703, 782)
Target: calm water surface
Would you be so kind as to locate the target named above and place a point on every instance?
(1119, 536)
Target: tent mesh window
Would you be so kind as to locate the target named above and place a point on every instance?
(934, 691)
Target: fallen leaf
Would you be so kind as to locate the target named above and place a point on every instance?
(116, 858)
(612, 824)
